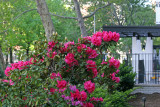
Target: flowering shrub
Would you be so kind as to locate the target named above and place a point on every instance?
(61, 73)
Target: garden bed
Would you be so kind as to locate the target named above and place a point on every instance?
(152, 100)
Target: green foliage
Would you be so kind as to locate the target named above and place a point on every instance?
(127, 77)
(118, 99)
(31, 85)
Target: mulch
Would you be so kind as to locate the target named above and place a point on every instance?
(152, 100)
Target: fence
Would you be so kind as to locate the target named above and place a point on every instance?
(147, 66)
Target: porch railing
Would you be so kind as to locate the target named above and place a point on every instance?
(146, 65)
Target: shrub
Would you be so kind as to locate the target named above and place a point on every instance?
(61, 73)
(127, 77)
(118, 99)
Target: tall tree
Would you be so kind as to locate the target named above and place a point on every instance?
(46, 18)
(80, 18)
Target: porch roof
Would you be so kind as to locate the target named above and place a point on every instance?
(134, 31)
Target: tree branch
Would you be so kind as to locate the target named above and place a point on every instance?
(115, 14)
(65, 17)
(23, 13)
(96, 11)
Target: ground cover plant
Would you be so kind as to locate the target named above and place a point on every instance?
(62, 73)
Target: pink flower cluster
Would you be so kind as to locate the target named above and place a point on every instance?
(68, 44)
(97, 39)
(92, 53)
(73, 88)
(74, 103)
(96, 99)
(106, 36)
(114, 62)
(80, 47)
(114, 78)
(19, 65)
(51, 44)
(79, 95)
(61, 84)
(89, 51)
(88, 105)
(70, 60)
(91, 66)
(52, 55)
(52, 90)
(54, 75)
(89, 86)
(85, 40)
(8, 81)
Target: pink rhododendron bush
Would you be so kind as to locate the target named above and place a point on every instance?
(62, 73)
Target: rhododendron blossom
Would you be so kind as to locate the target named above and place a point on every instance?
(7, 71)
(52, 55)
(61, 84)
(80, 47)
(8, 81)
(96, 99)
(96, 41)
(89, 86)
(115, 36)
(54, 75)
(75, 95)
(83, 96)
(62, 90)
(80, 96)
(88, 105)
(52, 90)
(51, 45)
(114, 78)
(73, 88)
(114, 62)
(68, 44)
(70, 60)
(98, 34)
(107, 36)
(92, 53)
(87, 39)
(91, 66)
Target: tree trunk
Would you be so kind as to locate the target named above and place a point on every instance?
(2, 59)
(27, 51)
(46, 18)
(11, 55)
(6, 60)
(80, 18)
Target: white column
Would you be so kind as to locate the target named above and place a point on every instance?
(136, 49)
(148, 59)
(157, 8)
